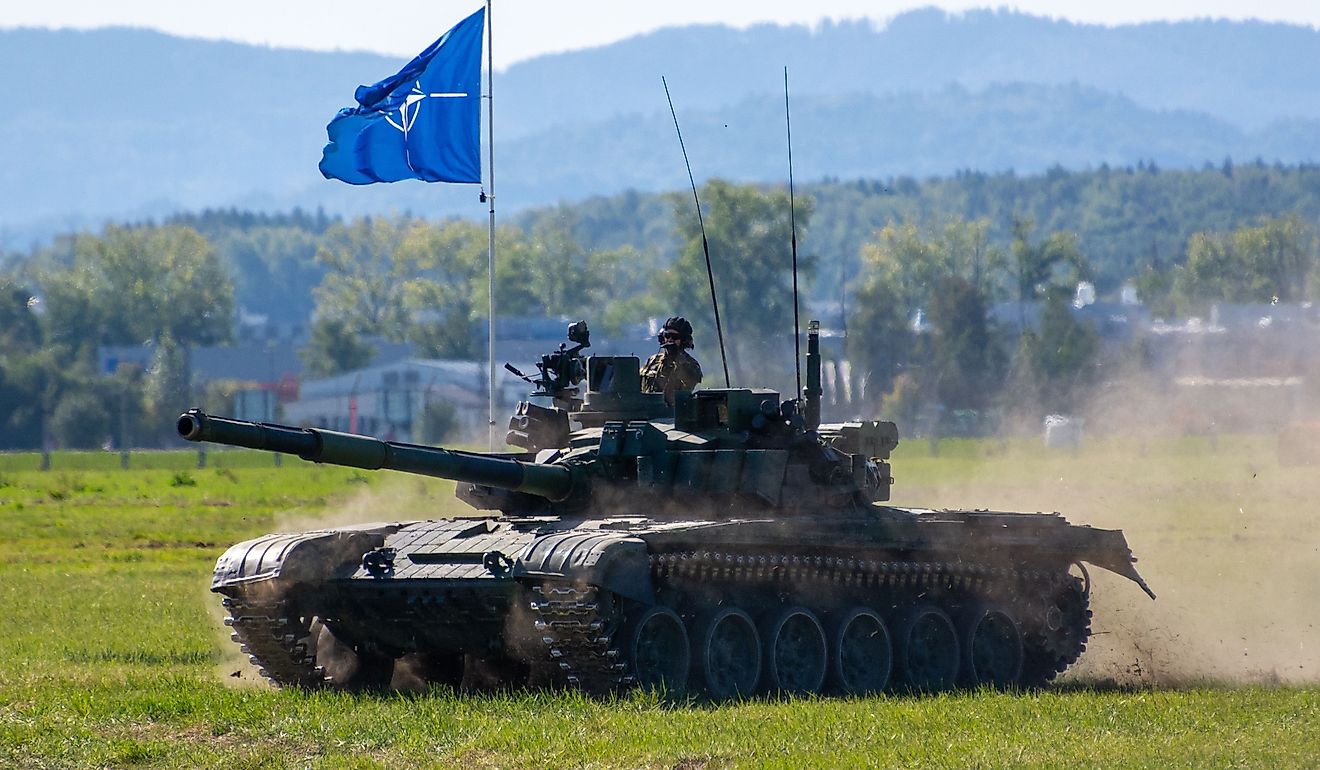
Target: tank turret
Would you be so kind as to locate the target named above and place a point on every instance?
(717, 450)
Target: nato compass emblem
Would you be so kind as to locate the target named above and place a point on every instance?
(411, 108)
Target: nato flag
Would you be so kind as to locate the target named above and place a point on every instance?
(422, 123)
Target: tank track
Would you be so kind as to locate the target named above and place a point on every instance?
(1051, 644)
(276, 641)
(576, 625)
(857, 573)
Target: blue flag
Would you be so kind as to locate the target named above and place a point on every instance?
(422, 123)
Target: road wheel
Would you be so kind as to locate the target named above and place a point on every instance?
(992, 649)
(795, 651)
(729, 654)
(863, 653)
(928, 654)
(658, 651)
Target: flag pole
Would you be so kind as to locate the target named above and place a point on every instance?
(490, 198)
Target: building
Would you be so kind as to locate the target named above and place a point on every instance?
(389, 400)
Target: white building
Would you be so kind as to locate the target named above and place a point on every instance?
(388, 400)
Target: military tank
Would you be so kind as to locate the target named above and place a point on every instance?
(725, 546)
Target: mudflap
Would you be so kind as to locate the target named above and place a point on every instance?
(1108, 549)
(612, 561)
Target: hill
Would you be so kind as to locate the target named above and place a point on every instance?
(1247, 73)
(122, 123)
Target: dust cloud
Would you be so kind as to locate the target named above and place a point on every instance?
(390, 497)
(1224, 523)
(233, 667)
(1221, 514)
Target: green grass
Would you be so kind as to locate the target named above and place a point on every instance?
(115, 656)
(141, 459)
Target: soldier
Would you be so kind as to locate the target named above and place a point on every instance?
(673, 368)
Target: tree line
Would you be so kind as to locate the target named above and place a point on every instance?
(918, 284)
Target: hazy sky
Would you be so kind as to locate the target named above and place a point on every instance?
(525, 28)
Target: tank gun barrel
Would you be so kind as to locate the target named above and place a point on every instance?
(554, 482)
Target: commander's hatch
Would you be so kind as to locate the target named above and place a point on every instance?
(614, 392)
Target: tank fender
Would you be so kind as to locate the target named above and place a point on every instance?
(1108, 549)
(298, 558)
(610, 560)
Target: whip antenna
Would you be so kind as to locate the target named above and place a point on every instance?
(705, 248)
(792, 219)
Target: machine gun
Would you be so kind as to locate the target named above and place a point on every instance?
(535, 425)
(562, 369)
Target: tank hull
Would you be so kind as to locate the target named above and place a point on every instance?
(880, 598)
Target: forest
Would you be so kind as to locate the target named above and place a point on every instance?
(874, 251)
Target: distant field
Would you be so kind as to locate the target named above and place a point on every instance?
(115, 655)
(140, 459)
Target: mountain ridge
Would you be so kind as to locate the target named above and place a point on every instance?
(130, 123)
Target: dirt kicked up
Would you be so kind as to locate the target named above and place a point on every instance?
(1227, 536)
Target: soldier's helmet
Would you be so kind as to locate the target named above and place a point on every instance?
(677, 325)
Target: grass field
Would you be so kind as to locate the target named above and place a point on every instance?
(115, 656)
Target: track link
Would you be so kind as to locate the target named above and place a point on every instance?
(276, 641)
(576, 626)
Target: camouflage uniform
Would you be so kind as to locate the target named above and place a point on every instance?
(668, 371)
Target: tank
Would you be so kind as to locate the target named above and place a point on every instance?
(725, 546)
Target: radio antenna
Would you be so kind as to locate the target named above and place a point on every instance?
(705, 248)
(792, 219)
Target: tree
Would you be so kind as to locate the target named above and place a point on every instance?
(274, 268)
(1054, 364)
(908, 268)
(748, 233)
(20, 339)
(334, 348)
(407, 280)
(37, 381)
(546, 271)
(964, 358)
(168, 387)
(1155, 288)
(1054, 367)
(401, 280)
(139, 284)
(1273, 260)
(439, 422)
(81, 421)
(902, 405)
(880, 338)
(447, 285)
(364, 280)
(1050, 267)
(914, 259)
(19, 329)
(130, 285)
